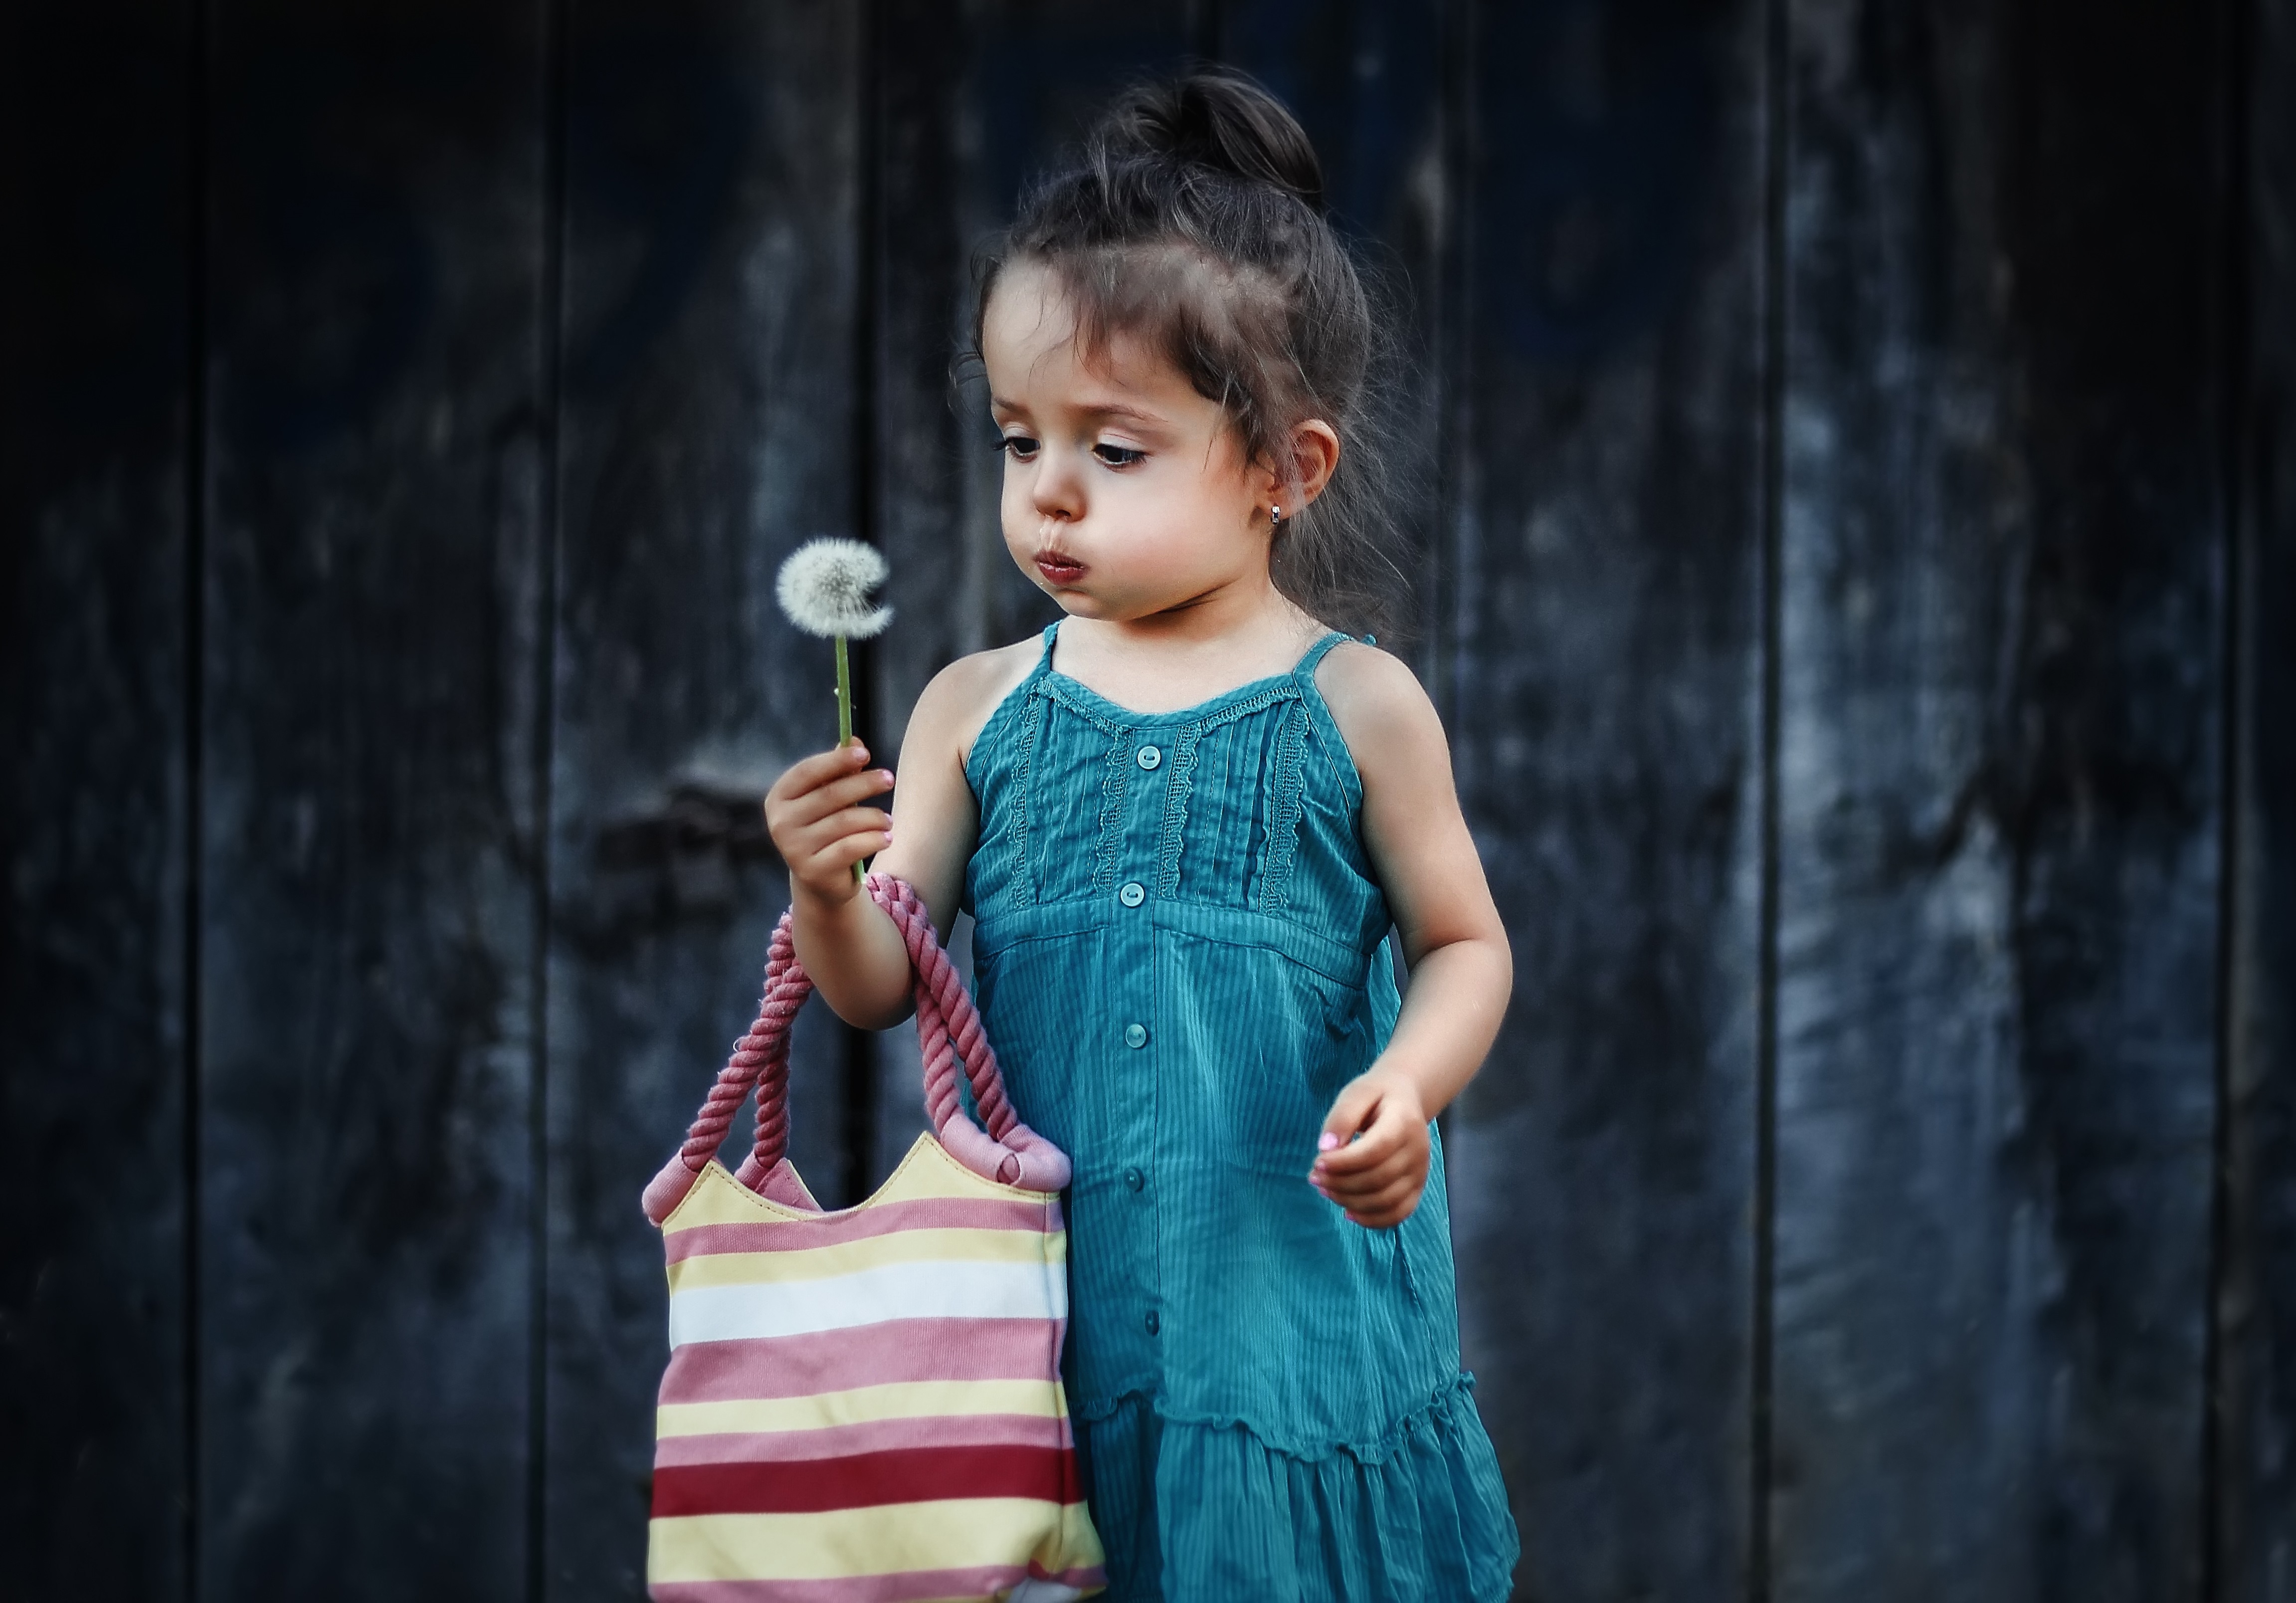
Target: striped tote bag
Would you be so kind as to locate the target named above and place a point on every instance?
(866, 1406)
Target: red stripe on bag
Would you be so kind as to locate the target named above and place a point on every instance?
(916, 1475)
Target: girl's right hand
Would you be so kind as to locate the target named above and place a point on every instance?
(815, 814)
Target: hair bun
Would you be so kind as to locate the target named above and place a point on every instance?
(1220, 120)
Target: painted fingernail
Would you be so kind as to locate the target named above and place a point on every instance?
(1326, 1142)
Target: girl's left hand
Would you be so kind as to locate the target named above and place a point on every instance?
(1377, 1176)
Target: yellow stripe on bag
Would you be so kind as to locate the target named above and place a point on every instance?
(862, 1405)
(875, 1251)
(927, 1174)
(960, 1534)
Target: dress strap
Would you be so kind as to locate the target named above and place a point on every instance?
(1315, 653)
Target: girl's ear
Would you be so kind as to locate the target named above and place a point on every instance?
(1315, 458)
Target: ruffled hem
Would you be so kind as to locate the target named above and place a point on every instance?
(1206, 1507)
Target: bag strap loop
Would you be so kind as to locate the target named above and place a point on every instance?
(948, 1034)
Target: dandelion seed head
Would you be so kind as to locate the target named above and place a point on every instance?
(824, 588)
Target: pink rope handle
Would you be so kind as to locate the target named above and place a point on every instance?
(948, 1032)
(949, 1024)
(759, 1059)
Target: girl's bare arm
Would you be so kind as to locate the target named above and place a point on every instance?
(817, 816)
(1377, 1153)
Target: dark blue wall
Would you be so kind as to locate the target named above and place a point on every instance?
(1853, 550)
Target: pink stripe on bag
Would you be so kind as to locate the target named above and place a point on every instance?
(903, 1586)
(866, 1355)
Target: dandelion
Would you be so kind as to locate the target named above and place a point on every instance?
(824, 588)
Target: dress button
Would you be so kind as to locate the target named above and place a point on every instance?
(1150, 758)
(1152, 1322)
(1133, 894)
(1134, 1179)
(1136, 1035)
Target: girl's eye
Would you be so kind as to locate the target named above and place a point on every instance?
(1018, 447)
(1118, 456)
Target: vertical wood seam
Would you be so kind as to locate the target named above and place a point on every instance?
(1207, 25)
(197, 177)
(1453, 335)
(1444, 386)
(2235, 357)
(1761, 1445)
(550, 383)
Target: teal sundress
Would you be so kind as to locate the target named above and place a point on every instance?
(1181, 957)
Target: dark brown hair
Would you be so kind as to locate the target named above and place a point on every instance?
(1192, 218)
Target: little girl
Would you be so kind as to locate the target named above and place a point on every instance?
(1184, 823)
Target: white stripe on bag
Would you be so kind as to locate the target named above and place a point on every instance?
(898, 1291)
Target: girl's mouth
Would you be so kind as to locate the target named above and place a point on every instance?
(1059, 568)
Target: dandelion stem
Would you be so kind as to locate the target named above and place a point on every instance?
(844, 695)
(845, 713)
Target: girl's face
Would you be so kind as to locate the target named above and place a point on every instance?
(1126, 493)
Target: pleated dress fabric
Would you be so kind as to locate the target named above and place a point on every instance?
(1180, 954)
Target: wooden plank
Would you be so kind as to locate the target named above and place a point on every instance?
(2255, 1515)
(711, 299)
(1607, 725)
(1998, 796)
(94, 107)
(954, 145)
(370, 828)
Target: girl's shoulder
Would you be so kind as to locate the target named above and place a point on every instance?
(1372, 695)
(958, 702)
(1392, 734)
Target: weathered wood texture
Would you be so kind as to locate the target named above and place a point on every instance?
(1999, 798)
(93, 394)
(709, 427)
(1857, 583)
(1604, 677)
(368, 931)
(2255, 1517)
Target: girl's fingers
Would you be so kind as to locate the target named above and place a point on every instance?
(837, 855)
(1402, 1167)
(801, 809)
(834, 827)
(1387, 1215)
(808, 773)
(1384, 1197)
(1373, 1148)
(1351, 1109)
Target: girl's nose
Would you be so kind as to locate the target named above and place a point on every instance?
(1058, 489)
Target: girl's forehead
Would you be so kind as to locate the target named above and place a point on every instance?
(1029, 345)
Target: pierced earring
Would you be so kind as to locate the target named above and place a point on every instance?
(1274, 516)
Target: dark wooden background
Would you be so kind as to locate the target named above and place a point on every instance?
(1855, 557)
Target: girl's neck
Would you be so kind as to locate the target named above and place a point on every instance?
(1177, 659)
